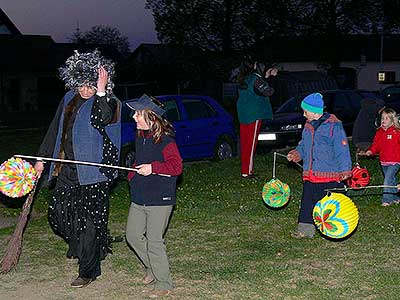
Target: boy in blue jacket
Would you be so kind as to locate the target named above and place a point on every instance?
(326, 158)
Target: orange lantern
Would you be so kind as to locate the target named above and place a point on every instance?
(360, 177)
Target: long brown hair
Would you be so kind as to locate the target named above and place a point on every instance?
(158, 125)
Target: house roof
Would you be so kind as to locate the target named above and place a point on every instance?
(25, 51)
(6, 26)
(40, 52)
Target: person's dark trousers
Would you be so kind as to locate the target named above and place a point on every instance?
(89, 252)
(312, 193)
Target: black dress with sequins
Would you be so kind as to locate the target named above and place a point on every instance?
(79, 213)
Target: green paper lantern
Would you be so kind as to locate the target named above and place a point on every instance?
(275, 193)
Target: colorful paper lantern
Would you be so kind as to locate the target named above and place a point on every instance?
(275, 193)
(17, 177)
(335, 215)
(360, 177)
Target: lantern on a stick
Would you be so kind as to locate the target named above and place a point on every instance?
(335, 215)
(276, 193)
(17, 177)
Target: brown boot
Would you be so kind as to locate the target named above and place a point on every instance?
(81, 282)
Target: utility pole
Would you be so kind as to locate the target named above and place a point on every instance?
(380, 31)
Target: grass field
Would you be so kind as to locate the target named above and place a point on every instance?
(223, 243)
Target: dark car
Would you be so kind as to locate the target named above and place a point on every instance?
(391, 96)
(286, 127)
(202, 126)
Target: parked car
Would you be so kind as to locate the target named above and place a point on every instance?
(203, 128)
(286, 127)
(391, 96)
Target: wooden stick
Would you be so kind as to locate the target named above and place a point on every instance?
(78, 162)
(359, 188)
(277, 153)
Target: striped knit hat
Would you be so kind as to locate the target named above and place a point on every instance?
(313, 103)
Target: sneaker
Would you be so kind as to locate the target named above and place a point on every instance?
(159, 293)
(80, 282)
(249, 176)
(304, 230)
(386, 204)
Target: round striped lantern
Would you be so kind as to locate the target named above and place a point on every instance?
(360, 177)
(275, 193)
(335, 215)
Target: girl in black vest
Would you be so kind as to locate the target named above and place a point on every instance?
(153, 189)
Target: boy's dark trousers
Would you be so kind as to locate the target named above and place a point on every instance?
(312, 193)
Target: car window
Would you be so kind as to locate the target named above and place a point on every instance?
(391, 94)
(366, 94)
(355, 100)
(291, 105)
(341, 103)
(328, 101)
(198, 109)
(171, 110)
(392, 90)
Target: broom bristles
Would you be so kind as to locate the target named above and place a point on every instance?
(13, 251)
(14, 247)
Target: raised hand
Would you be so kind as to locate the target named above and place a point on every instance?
(102, 80)
(39, 167)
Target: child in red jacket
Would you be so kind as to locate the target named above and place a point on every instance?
(387, 143)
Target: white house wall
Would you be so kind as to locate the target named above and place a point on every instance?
(367, 75)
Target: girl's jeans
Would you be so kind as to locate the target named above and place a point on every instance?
(390, 194)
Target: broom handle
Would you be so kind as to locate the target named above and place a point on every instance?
(81, 163)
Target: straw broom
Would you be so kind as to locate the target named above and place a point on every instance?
(14, 248)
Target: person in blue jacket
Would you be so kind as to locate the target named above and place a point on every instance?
(86, 127)
(325, 153)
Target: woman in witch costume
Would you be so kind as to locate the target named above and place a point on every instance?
(86, 127)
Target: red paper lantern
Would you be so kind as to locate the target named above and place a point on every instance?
(360, 177)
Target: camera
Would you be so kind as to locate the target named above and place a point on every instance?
(260, 68)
